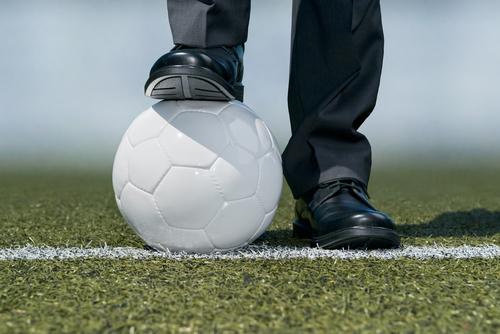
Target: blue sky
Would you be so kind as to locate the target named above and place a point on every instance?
(72, 74)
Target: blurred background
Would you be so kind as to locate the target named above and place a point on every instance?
(72, 75)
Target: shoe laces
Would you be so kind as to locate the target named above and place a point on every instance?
(328, 190)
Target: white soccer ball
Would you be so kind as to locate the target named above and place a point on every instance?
(198, 176)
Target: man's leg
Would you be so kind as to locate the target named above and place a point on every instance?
(209, 23)
(207, 60)
(336, 62)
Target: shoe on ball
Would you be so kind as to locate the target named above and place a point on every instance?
(187, 73)
(339, 216)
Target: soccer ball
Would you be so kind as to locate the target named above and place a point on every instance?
(198, 176)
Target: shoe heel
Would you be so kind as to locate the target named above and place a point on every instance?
(301, 229)
(239, 92)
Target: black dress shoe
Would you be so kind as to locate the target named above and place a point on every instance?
(338, 215)
(187, 73)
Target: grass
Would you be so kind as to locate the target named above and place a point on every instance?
(431, 206)
(250, 296)
(440, 206)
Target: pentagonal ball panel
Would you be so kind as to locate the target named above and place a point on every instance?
(148, 164)
(188, 198)
(270, 180)
(235, 223)
(237, 172)
(194, 139)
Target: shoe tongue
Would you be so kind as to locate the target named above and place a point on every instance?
(327, 194)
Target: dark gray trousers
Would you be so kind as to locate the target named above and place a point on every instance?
(336, 63)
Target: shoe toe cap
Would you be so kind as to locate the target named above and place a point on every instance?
(191, 58)
(348, 219)
(373, 219)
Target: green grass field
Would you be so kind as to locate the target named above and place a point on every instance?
(438, 206)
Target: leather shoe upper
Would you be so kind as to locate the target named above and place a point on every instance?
(227, 62)
(341, 204)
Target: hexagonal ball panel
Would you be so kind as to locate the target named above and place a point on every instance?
(235, 223)
(194, 139)
(240, 123)
(146, 126)
(188, 198)
(270, 180)
(120, 166)
(148, 164)
(237, 172)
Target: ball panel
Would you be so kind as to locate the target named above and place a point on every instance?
(178, 240)
(270, 181)
(199, 176)
(118, 203)
(140, 212)
(237, 172)
(266, 222)
(241, 127)
(188, 198)
(211, 107)
(168, 109)
(242, 105)
(194, 139)
(142, 215)
(120, 166)
(264, 135)
(274, 144)
(235, 223)
(278, 154)
(146, 126)
(147, 165)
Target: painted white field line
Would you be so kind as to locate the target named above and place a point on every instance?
(251, 252)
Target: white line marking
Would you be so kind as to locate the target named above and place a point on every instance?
(252, 252)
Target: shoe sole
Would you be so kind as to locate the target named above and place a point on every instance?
(349, 238)
(191, 83)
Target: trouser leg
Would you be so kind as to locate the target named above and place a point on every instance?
(336, 63)
(209, 23)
